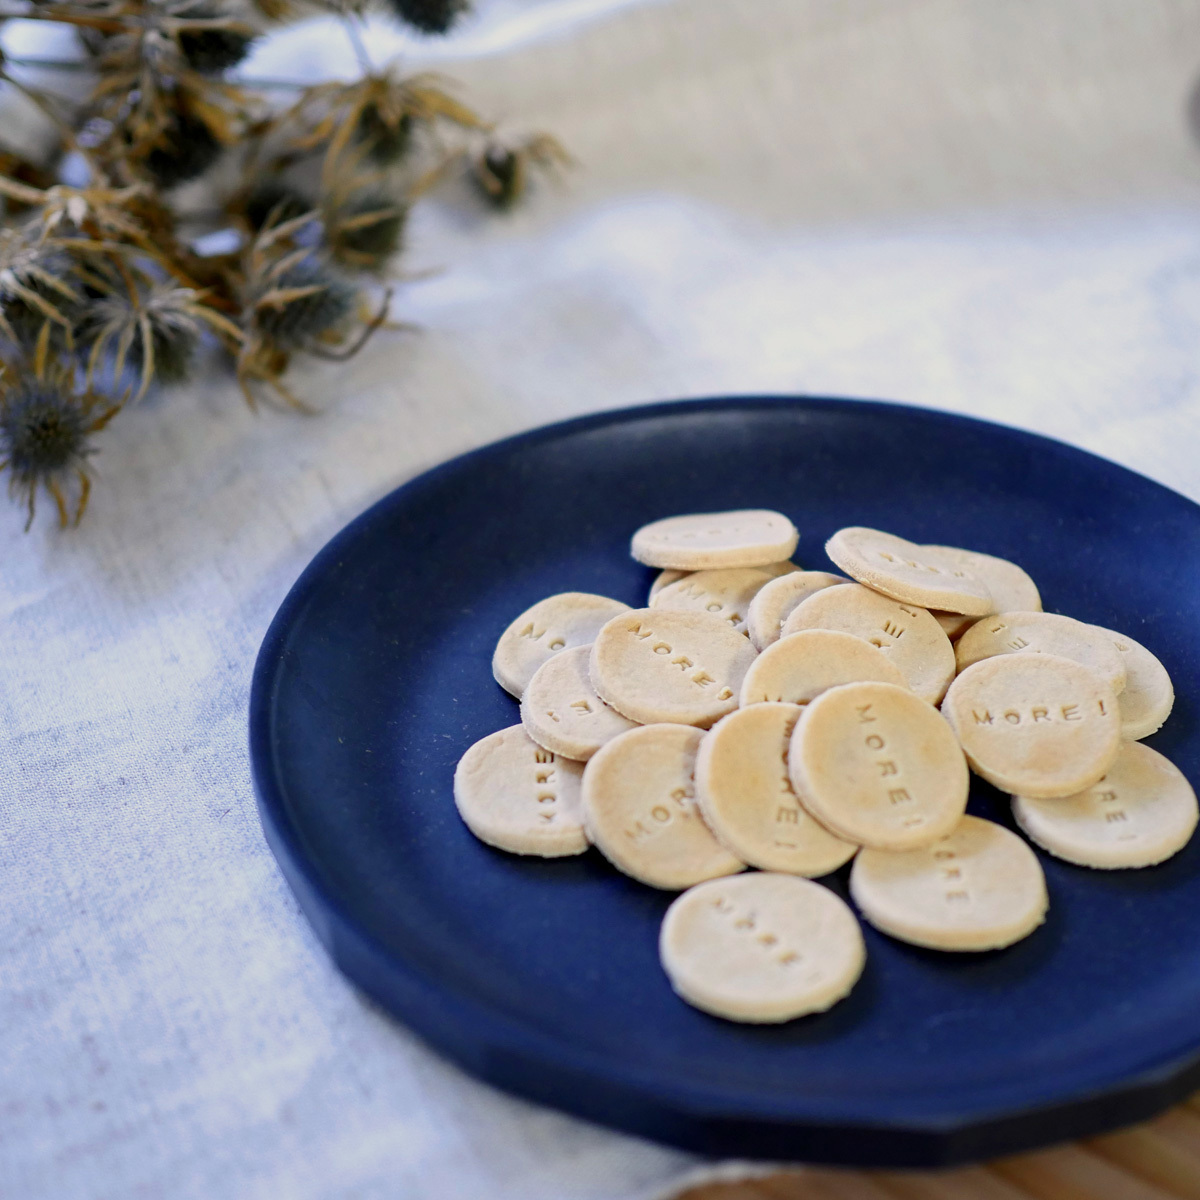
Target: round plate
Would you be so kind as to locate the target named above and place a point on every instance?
(542, 976)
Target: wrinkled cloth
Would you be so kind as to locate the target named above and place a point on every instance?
(979, 205)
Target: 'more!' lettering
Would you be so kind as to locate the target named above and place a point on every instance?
(661, 816)
(701, 678)
(746, 922)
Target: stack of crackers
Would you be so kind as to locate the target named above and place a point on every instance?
(758, 715)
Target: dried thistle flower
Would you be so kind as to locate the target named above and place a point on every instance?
(157, 327)
(184, 149)
(270, 202)
(501, 168)
(430, 16)
(34, 287)
(291, 301)
(363, 230)
(45, 431)
(211, 47)
(386, 135)
(307, 301)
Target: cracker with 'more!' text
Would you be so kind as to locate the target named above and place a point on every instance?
(765, 739)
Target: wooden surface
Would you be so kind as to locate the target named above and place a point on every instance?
(1156, 1161)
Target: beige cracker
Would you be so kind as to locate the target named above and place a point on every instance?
(518, 796)
(1042, 633)
(1148, 696)
(954, 625)
(640, 809)
(878, 766)
(775, 601)
(909, 636)
(1035, 724)
(663, 578)
(725, 592)
(751, 537)
(761, 948)
(924, 576)
(561, 711)
(652, 664)
(1012, 589)
(554, 624)
(746, 796)
(979, 888)
(798, 668)
(1141, 812)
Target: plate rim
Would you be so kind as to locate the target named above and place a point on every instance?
(517, 1057)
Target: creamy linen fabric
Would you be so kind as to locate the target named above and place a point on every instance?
(983, 205)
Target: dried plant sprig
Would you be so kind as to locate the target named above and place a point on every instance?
(430, 16)
(153, 323)
(501, 167)
(293, 301)
(34, 289)
(46, 426)
(115, 284)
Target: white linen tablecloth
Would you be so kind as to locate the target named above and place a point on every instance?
(983, 205)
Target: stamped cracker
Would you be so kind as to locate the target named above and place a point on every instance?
(775, 601)
(554, 624)
(761, 948)
(908, 635)
(746, 796)
(662, 580)
(751, 537)
(518, 796)
(878, 766)
(1141, 812)
(923, 576)
(798, 668)
(561, 711)
(1035, 724)
(639, 805)
(1043, 633)
(653, 665)
(979, 888)
(725, 592)
(1011, 587)
(1148, 696)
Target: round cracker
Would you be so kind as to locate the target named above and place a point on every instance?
(1011, 587)
(519, 796)
(654, 665)
(954, 625)
(878, 766)
(554, 624)
(1148, 695)
(798, 668)
(908, 636)
(665, 577)
(745, 794)
(1141, 812)
(751, 537)
(979, 888)
(639, 806)
(725, 592)
(561, 711)
(761, 948)
(1035, 724)
(775, 601)
(1042, 633)
(662, 580)
(923, 576)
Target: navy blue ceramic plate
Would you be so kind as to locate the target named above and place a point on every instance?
(542, 977)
